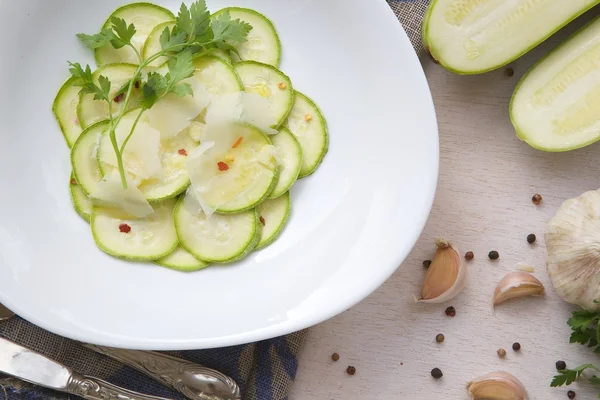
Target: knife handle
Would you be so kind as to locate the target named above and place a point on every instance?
(192, 380)
(96, 389)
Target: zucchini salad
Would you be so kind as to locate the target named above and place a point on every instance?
(186, 138)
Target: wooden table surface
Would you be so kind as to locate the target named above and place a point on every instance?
(483, 202)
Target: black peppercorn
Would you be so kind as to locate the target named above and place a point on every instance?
(531, 238)
(436, 373)
(509, 72)
(439, 338)
(493, 255)
(561, 365)
(335, 356)
(571, 394)
(426, 263)
(451, 311)
(469, 255)
(537, 199)
(516, 346)
(350, 370)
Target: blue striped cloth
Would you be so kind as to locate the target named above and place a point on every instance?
(264, 370)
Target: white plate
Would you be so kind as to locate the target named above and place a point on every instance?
(353, 222)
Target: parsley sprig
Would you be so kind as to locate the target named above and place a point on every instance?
(194, 34)
(586, 331)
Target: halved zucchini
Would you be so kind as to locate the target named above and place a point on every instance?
(555, 105)
(476, 36)
(145, 17)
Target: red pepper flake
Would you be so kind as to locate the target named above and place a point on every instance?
(237, 142)
(137, 84)
(222, 166)
(182, 152)
(119, 97)
(262, 220)
(73, 181)
(124, 228)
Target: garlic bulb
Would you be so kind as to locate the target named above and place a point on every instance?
(517, 284)
(573, 245)
(446, 276)
(497, 386)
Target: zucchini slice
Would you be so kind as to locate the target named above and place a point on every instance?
(219, 238)
(310, 128)
(65, 111)
(83, 157)
(271, 84)
(90, 111)
(145, 17)
(555, 105)
(476, 36)
(262, 43)
(148, 238)
(81, 202)
(181, 260)
(157, 166)
(289, 155)
(273, 215)
(234, 169)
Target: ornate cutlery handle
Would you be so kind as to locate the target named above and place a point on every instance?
(192, 380)
(96, 389)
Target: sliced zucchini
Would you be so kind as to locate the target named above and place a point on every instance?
(65, 111)
(289, 156)
(83, 157)
(81, 202)
(148, 238)
(181, 260)
(219, 238)
(90, 111)
(555, 105)
(234, 169)
(475, 36)
(217, 75)
(271, 84)
(307, 124)
(145, 17)
(273, 215)
(262, 42)
(157, 166)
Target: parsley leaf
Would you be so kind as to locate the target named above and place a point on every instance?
(594, 380)
(153, 89)
(172, 38)
(84, 79)
(180, 67)
(582, 319)
(579, 337)
(568, 376)
(122, 33)
(226, 29)
(182, 90)
(98, 40)
(194, 21)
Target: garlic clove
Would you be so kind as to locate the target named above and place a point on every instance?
(446, 276)
(521, 266)
(497, 386)
(517, 284)
(573, 245)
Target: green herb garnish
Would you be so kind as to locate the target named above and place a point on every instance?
(586, 331)
(194, 34)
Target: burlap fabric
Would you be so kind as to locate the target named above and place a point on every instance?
(265, 370)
